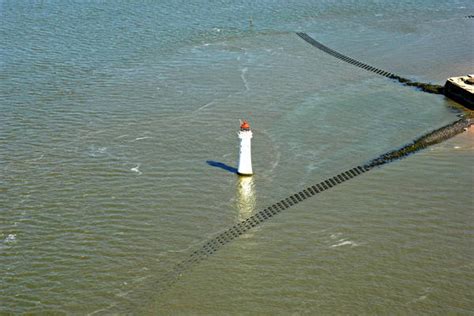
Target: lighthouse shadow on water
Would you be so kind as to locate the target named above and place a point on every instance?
(222, 165)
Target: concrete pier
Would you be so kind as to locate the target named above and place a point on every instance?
(461, 90)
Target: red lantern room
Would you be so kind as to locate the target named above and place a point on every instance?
(245, 126)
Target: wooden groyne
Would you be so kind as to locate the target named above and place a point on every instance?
(459, 89)
(342, 57)
(429, 139)
(426, 87)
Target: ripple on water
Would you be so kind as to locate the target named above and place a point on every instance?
(110, 113)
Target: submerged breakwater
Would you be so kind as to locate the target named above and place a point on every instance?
(426, 87)
(432, 138)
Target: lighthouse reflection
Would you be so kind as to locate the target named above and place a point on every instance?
(246, 199)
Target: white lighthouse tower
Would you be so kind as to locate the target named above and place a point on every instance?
(245, 155)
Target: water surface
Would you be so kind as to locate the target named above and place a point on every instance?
(110, 112)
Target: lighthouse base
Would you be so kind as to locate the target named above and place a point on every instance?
(244, 174)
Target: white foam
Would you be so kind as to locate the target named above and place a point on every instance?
(97, 151)
(10, 238)
(136, 169)
(140, 138)
(343, 242)
(276, 162)
(457, 147)
(242, 75)
(39, 158)
(205, 106)
(421, 298)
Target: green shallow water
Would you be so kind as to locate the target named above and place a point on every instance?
(111, 113)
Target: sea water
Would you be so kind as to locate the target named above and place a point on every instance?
(118, 139)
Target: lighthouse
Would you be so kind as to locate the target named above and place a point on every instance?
(245, 155)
